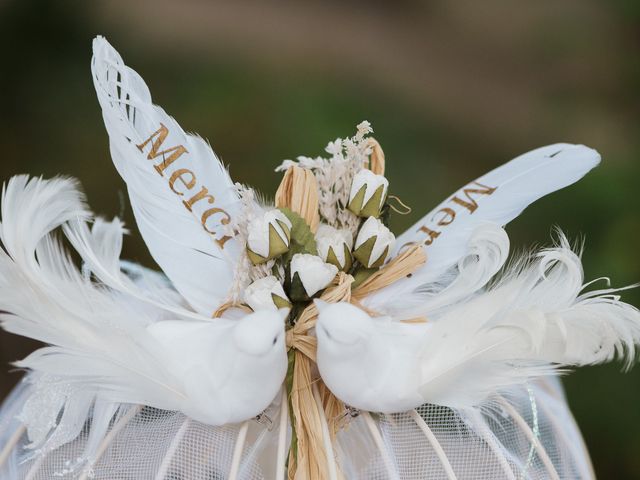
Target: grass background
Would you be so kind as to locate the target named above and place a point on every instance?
(452, 88)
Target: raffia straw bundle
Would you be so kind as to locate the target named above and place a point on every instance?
(311, 403)
(376, 159)
(298, 191)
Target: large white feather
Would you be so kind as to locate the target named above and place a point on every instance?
(191, 256)
(495, 198)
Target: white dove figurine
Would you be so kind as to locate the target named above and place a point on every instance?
(368, 363)
(219, 362)
(533, 322)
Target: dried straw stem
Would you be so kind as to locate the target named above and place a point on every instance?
(326, 436)
(298, 191)
(400, 267)
(310, 460)
(376, 159)
(228, 305)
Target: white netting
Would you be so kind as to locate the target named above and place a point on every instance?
(530, 435)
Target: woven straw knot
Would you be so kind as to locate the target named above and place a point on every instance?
(302, 342)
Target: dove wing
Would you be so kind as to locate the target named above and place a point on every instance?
(181, 194)
(97, 341)
(495, 198)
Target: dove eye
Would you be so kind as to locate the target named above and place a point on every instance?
(275, 340)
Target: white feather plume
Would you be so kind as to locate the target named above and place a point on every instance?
(513, 186)
(534, 321)
(97, 342)
(487, 252)
(199, 268)
(100, 245)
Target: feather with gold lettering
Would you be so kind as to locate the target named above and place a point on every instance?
(181, 194)
(495, 198)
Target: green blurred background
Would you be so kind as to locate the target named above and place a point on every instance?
(452, 88)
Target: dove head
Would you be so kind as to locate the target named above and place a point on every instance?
(342, 325)
(261, 332)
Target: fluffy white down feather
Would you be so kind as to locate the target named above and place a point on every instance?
(534, 321)
(106, 347)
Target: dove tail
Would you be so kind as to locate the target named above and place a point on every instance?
(95, 343)
(537, 319)
(35, 271)
(564, 323)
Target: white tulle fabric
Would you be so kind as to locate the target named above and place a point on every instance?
(526, 434)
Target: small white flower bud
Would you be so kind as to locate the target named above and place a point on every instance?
(373, 244)
(368, 194)
(269, 236)
(334, 246)
(266, 294)
(311, 272)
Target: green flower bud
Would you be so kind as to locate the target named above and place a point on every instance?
(269, 236)
(368, 194)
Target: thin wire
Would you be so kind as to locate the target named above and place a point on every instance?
(536, 432)
(407, 209)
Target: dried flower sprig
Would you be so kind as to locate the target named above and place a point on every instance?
(335, 175)
(321, 207)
